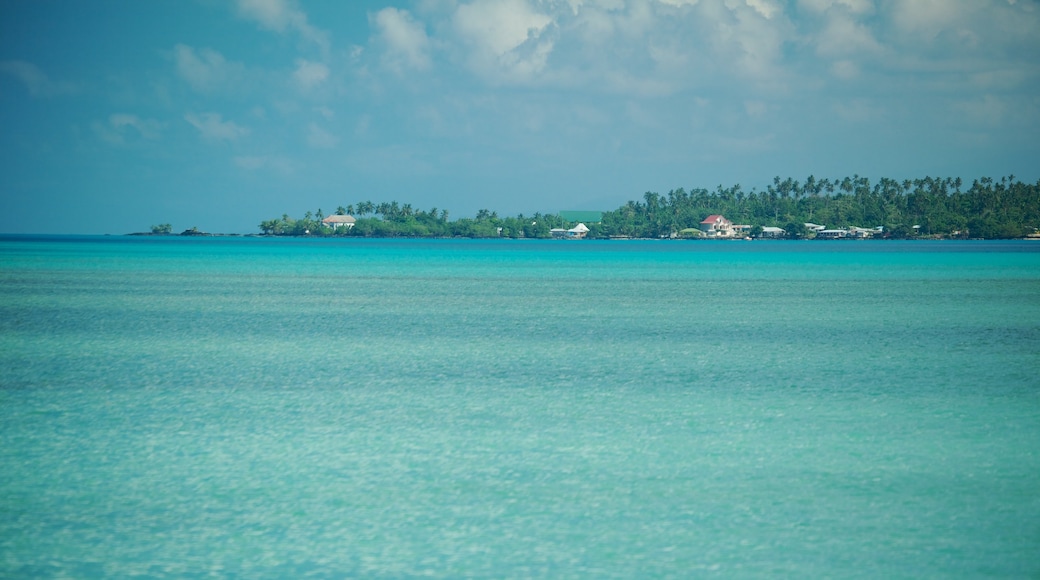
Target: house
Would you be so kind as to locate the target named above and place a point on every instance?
(578, 232)
(716, 226)
(814, 227)
(772, 232)
(863, 233)
(335, 221)
(831, 234)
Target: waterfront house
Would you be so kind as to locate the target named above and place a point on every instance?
(772, 232)
(831, 234)
(716, 226)
(578, 232)
(335, 221)
(864, 233)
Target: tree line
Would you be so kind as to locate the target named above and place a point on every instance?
(391, 219)
(932, 207)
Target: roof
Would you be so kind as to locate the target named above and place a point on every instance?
(713, 218)
(339, 219)
(593, 217)
(580, 228)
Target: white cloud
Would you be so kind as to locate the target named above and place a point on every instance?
(499, 26)
(949, 45)
(764, 50)
(281, 16)
(594, 27)
(506, 37)
(273, 14)
(842, 36)
(750, 38)
(965, 27)
(319, 138)
(766, 8)
(926, 16)
(206, 70)
(845, 69)
(405, 39)
(147, 128)
(36, 81)
(309, 75)
(121, 126)
(853, 6)
(213, 128)
(644, 47)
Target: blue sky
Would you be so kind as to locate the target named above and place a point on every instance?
(219, 114)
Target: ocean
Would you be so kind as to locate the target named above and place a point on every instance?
(274, 408)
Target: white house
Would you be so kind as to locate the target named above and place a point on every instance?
(335, 221)
(578, 232)
(716, 226)
(832, 234)
(773, 232)
(864, 233)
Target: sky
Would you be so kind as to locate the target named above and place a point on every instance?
(219, 114)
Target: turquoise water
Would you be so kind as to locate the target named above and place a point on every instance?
(278, 408)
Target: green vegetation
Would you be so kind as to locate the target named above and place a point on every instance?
(939, 207)
(394, 220)
(162, 229)
(928, 207)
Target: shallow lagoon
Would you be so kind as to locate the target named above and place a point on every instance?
(262, 407)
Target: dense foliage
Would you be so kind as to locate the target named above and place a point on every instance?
(396, 220)
(938, 207)
(921, 207)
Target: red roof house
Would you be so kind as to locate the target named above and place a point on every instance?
(717, 226)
